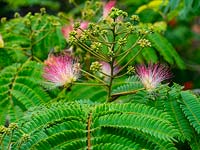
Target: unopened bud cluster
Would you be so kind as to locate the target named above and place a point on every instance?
(95, 66)
(143, 32)
(84, 37)
(96, 46)
(135, 18)
(117, 12)
(94, 29)
(122, 41)
(144, 43)
(76, 25)
(13, 126)
(5, 130)
(16, 15)
(43, 10)
(25, 138)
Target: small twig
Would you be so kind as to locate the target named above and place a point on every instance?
(116, 95)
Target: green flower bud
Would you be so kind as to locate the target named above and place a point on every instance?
(13, 126)
(27, 22)
(117, 12)
(122, 41)
(16, 15)
(95, 66)
(43, 10)
(37, 14)
(2, 129)
(88, 13)
(98, 4)
(143, 32)
(144, 43)
(96, 46)
(72, 40)
(84, 37)
(73, 33)
(111, 53)
(3, 19)
(25, 138)
(135, 19)
(76, 25)
(29, 14)
(91, 26)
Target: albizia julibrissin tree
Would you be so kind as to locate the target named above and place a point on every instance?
(106, 90)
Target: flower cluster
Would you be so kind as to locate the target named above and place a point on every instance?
(107, 7)
(152, 75)
(69, 28)
(61, 70)
(144, 43)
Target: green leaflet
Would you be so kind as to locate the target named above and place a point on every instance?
(190, 105)
(166, 49)
(130, 84)
(31, 35)
(180, 121)
(19, 90)
(71, 125)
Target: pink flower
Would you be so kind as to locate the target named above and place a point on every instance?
(66, 30)
(106, 69)
(61, 70)
(107, 7)
(153, 74)
(69, 28)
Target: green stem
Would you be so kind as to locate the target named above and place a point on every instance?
(98, 79)
(1, 141)
(125, 53)
(120, 47)
(97, 40)
(131, 60)
(109, 98)
(89, 84)
(9, 144)
(116, 95)
(99, 56)
(119, 76)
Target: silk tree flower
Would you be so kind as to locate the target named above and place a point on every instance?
(152, 75)
(69, 28)
(107, 7)
(61, 70)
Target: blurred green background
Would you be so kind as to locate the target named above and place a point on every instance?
(182, 18)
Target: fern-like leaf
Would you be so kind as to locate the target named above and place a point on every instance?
(190, 105)
(19, 90)
(180, 121)
(130, 84)
(104, 126)
(139, 117)
(166, 49)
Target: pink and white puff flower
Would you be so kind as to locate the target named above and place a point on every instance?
(61, 70)
(107, 7)
(66, 30)
(152, 75)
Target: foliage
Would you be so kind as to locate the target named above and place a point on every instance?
(108, 107)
